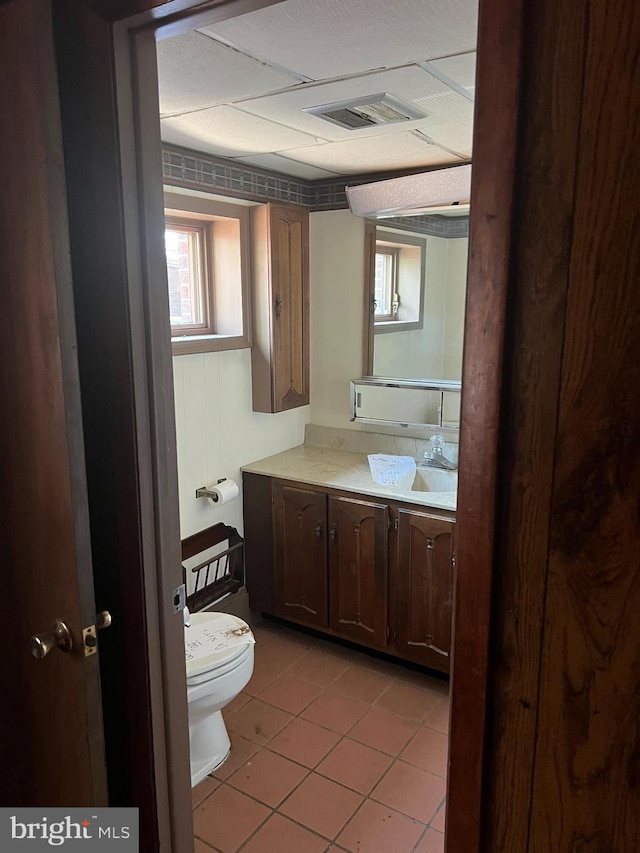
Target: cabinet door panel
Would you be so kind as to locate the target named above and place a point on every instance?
(288, 235)
(424, 583)
(300, 552)
(358, 538)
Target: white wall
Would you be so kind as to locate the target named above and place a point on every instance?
(336, 276)
(217, 432)
(454, 308)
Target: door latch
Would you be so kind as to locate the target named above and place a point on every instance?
(89, 634)
(179, 596)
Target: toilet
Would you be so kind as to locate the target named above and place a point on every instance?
(215, 676)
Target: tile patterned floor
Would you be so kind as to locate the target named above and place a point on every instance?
(332, 750)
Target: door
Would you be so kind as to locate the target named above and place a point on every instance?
(51, 725)
(300, 549)
(424, 585)
(358, 536)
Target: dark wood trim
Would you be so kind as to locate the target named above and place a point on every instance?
(585, 790)
(83, 41)
(494, 159)
(553, 54)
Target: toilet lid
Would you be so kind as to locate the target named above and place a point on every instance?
(213, 640)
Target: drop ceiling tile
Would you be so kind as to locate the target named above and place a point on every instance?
(338, 37)
(461, 69)
(278, 163)
(450, 122)
(401, 150)
(227, 132)
(410, 84)
(195, 72)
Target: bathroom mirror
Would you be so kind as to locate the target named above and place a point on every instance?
(415, 289)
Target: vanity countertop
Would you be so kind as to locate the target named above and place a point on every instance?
(341, 469)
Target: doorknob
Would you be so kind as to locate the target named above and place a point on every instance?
(41, 644)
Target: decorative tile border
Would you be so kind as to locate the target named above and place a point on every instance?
(433, 225)
(195, 170)
(226, 177)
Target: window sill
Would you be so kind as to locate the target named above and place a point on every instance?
(191, 344)
(384, 326)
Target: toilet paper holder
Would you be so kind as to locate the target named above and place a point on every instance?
(204, 492)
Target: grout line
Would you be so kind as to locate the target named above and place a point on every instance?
(324, 648)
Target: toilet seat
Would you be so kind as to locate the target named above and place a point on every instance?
(218, 663)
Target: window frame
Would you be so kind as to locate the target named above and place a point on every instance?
(205, 283)
(212, 215)
(387, 242)
(393, 253)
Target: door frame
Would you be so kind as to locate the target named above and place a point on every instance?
(495, 141)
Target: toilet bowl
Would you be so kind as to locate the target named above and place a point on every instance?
(215, 676)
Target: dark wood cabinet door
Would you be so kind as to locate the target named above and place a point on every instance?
(423, 588)
(300, 554)
(358, 540)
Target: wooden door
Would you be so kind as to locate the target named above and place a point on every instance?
(358, 539)
(300, 554)
(51, 736)
(289, 227)
(423, 588)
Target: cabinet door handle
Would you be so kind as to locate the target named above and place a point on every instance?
(278, 306)
(319, 530)
(332, 535)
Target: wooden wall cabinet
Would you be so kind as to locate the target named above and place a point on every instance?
(377, 573)
(280, 352)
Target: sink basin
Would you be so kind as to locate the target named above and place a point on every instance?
(435, 480)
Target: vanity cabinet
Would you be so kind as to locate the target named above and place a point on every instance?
(378, 573)
(280, 352)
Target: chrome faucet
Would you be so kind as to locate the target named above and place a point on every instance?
(435, 458)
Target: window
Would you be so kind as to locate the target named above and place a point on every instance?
(207, 253)
(190, 302)
(399, 275)
(387, 299)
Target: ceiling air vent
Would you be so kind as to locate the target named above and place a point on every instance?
(367, 111)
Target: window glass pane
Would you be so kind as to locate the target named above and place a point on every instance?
(383, 284)
(183, 270)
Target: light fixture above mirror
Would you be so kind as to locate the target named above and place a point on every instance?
(412, 194)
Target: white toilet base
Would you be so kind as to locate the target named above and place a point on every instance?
(210, 746)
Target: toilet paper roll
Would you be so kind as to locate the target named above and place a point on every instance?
(224, 492)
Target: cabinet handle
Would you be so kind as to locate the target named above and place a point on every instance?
(332, 535)
(319, 530)
(278, 306)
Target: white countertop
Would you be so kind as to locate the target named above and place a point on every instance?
(341, 469)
